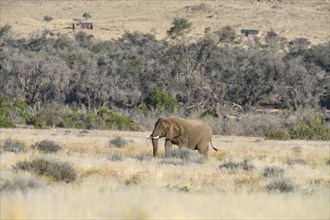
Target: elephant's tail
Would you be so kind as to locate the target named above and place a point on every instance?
(212, 146)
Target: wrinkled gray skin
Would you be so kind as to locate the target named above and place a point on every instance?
(192, 134)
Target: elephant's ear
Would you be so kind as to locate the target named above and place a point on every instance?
(175, 130)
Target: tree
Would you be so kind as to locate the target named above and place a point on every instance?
(299, 44)
(87, 15)
(35, 77)
(297, 85)
(48, 18)
(180, 28)
(160, 101)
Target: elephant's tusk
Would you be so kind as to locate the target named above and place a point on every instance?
(156, 137)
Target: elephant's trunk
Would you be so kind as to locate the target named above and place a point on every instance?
(155, 146)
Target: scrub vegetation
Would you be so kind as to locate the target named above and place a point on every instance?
(257, 86)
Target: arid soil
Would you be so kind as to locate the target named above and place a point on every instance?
(289, 18)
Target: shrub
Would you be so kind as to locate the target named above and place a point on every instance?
(38, 121)
(160, 101)
(54, 114)
(328, 162)
(311, 127)
(48, 18)
(143, 156)
(296, 150)
(296, 161)
(77, 119)
(280, 185)
(272, 172)
(132, 180)
(237, 165)
(57, 171)
(278, 134)
(186, 155)
(47, 146)
(19, 184)
(12, 111)
(172, 161)
(180, 27)
(249, 180)
(119, 142)
(116, 121)
(5, 122)
(14, 146)
(116, 157)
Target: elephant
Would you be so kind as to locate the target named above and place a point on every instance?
(189, 133)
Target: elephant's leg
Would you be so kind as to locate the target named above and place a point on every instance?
(168, 147)
(204, 152)
(203, 149)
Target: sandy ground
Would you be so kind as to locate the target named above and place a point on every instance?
(289, 18)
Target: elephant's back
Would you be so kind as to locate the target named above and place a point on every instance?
(199, 126)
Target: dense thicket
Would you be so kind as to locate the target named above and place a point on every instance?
(137, 71)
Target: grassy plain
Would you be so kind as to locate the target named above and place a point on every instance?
(289, 18)
(139, 186)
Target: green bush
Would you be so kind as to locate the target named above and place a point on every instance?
(5, 122)
(12, 111)
(278, 134)
(61, 116)
(160, 101)
(311, 127)
(54, 113)
(14, 146)
(47, 146)
(77, 119)
(57, 171)
(116, 121)
(38, 121)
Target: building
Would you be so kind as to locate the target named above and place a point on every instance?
(248, 32)
(82, 25)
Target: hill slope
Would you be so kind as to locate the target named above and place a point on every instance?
(291, 19)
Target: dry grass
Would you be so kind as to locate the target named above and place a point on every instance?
(291, 19)
(143, 187)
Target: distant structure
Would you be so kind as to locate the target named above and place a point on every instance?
(248, 32)
(76, 24)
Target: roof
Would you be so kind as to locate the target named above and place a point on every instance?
(249, 31)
